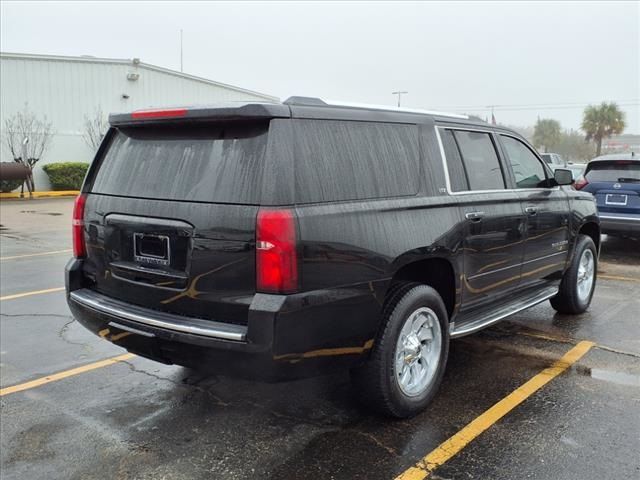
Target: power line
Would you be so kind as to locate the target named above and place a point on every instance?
(558, 107)
(531, 106)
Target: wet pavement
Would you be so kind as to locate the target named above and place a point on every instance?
(142, 420)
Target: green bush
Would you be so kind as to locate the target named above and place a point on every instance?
(9, 185)
(66, 175)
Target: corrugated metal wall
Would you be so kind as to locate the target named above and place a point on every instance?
(65, 91)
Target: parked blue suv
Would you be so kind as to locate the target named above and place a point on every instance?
(615, 182)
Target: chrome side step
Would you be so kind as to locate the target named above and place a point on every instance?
(178, 323)
(473, 326)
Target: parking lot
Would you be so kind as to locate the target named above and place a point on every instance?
(68, 413)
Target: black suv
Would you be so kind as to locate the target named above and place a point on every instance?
(276, 241)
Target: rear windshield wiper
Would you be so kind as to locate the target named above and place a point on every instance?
(628, 180)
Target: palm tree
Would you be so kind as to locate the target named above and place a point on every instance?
(599, 122)
(546, 133)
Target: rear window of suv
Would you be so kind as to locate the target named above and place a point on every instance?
(205, 163)
(613, 171)
(347, 160)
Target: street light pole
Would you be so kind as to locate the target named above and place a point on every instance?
(181, 50)
(399, 93)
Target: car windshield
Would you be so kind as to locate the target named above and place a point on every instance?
(614, 171)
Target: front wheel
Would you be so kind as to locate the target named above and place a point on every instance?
(579, 281)
(409, 357)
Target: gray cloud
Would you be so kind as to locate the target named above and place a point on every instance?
(445, 54)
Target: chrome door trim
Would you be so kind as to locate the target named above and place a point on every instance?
(563, 252)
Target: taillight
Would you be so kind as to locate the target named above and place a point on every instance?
(77, 228)
(580, 183)
(276, 251)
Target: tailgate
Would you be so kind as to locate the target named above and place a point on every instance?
(197, 260)
(170, 217)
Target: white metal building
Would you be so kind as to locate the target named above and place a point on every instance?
(65, 90)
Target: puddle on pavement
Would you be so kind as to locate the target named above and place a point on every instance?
(621, 378)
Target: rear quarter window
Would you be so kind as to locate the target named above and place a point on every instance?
(345, 160)
(207, 163)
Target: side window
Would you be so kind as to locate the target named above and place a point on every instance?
(480, 160)
(457, 174)
(346, 160)
(527, 169)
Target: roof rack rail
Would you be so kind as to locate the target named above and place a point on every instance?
(308, 101)
(318, 102)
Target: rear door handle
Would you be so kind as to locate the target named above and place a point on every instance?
(474, 216)
(531, 210)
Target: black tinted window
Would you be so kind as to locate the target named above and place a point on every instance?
(354, 160)
(203, 163)
(480, 160)
(457, 174)
(614, 171)
(527, 169)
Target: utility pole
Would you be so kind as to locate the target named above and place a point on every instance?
(180, 50)
(399, 93)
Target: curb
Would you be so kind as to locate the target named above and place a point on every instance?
(60, 193)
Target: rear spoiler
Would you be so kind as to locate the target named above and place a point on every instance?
(227, 112)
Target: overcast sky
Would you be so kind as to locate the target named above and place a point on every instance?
(529, 59)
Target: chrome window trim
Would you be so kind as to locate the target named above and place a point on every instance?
(445, 165)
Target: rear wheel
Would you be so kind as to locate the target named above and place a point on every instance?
(408, 361)
(579, 281)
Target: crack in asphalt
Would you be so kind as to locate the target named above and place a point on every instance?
(218, 400)
(378, 442)
(63, 330)
(222, 403)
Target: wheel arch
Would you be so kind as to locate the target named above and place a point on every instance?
(438, 272)
(591, 229)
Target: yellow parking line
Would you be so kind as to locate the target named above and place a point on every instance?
(28, 294)
(617, 277)
(457, 442)
(27, 255)
(67, 373)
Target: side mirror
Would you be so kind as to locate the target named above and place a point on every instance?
(562, 176)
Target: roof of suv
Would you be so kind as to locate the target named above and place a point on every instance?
(295, 107)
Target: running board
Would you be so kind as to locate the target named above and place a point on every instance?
(473, 326)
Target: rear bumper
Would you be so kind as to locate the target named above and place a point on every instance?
(287, 336)
(620, 223)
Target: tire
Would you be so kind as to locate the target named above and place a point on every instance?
(397, 353)
(573, 296)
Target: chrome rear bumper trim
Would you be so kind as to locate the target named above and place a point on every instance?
(178, 323)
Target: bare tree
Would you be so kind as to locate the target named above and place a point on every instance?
(25, 124)
(95, 127)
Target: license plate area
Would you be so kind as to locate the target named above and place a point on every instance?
(615, 199)
(151, 249)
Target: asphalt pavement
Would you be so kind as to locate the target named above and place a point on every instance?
(65, 415)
